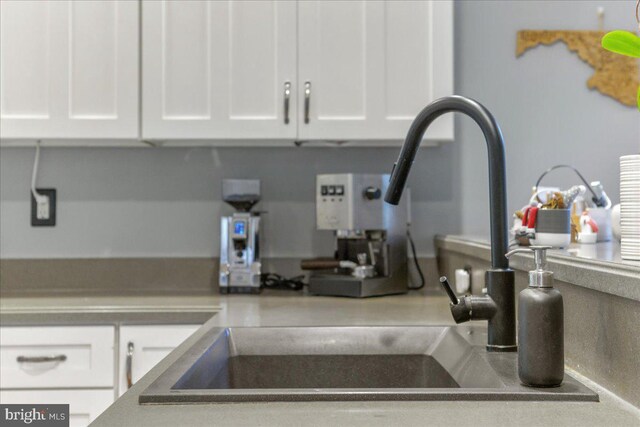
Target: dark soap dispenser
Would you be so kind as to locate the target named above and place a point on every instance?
(540, 326)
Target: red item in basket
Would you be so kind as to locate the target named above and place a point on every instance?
(533, 214)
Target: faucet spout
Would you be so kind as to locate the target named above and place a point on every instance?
(497, 169)
(500, 279)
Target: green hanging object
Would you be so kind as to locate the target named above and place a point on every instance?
(622, 42)
(625, 43)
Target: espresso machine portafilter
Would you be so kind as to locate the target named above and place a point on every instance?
(370, 256)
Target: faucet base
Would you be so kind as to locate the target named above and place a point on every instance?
(502, 327)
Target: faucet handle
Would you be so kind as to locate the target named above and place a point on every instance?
(469, 307)
(447, 287)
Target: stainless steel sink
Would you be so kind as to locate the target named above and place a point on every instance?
(348, 363)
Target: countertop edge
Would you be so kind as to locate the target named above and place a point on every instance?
(616, 279)
(107, 314)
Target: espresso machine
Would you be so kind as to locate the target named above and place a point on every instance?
(370, 256)
(240, 238)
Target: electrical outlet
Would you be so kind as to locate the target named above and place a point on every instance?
(44, 214)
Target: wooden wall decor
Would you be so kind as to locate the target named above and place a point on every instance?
(616, 76)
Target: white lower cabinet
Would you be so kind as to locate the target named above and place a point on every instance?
(142, 347)
(84, 405)
(72, 365)
(75, 365)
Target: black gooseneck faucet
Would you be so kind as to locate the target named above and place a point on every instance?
(498, 307)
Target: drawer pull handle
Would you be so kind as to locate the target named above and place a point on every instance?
(129, 363)
(307, 101)
(41, 359)
(287, 95)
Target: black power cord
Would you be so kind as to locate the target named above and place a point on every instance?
(415, 260)
(276, 281)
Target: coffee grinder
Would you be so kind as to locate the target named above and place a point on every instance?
(240, 266)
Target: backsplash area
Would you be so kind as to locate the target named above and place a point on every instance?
(166, 202)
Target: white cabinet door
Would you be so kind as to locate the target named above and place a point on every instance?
(57, 356)
(69, 69)
(371, 66)
(145, 346)
(218, 69)
(84, 405)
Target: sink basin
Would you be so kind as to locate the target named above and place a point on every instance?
(348, 363)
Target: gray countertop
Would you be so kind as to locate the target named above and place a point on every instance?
(107, 310)
(298, 310)
(603, 272)
(598, 266)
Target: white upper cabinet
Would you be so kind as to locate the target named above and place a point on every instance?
(219, 70)
(367, 68)
(267, 72)
(69, 69)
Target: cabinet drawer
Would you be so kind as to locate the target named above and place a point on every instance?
(84, 405)
(56, 357)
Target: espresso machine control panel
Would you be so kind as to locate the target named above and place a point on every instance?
(350, 201)
(332, 190)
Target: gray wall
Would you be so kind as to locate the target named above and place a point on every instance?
(547, 114)
(124, 202)
(166, 201)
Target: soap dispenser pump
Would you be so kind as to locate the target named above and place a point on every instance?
(540, 326)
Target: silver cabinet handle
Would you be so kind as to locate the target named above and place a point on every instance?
(307, 100)
(41, 359)
(287, 95)
(129, 363)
